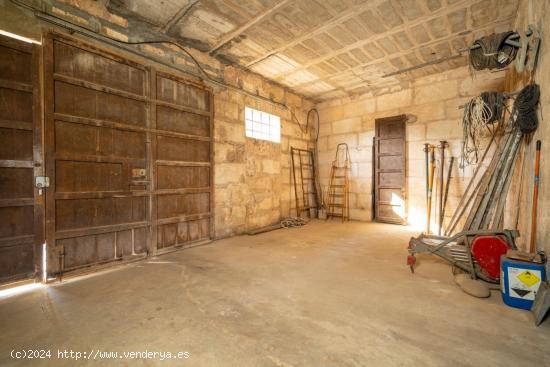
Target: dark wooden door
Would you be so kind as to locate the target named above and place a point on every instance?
(96, 156)
(128, 155)
(182, 156)
(389, 170)
(20, 159)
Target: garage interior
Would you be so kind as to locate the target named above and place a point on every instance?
(274, 183)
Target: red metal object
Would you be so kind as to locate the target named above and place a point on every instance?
(487, 251)
(411, 260)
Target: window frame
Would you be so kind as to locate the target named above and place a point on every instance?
(262, 125)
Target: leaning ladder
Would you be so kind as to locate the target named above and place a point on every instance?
(303, 174)
(338, 192)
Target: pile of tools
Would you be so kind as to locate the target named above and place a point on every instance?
(443, 187)
(477, 248)
(484, 199)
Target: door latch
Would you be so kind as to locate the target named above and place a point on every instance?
(41, 182)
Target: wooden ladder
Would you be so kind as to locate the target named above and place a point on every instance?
(303, 174)
(338, 191)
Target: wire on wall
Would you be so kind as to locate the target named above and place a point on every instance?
(88, 32)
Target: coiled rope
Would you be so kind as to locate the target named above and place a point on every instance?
(478, 113)
(293, 222)
(525, 106)
(493, 52)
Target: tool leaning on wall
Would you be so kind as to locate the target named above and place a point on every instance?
(477, 249)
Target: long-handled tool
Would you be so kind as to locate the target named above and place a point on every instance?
(427, 156)
(475, 252)
(477, 249)
(532, 239)
(430, 187)
(467, 196)
(442, 146)
(447, 184)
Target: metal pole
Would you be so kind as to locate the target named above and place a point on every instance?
(426, 154)
(532, 238)
(430, 188)
(460, 209)
(441, 179)
(478, 212)
(447, 184)
(500, 181)
(500, 197)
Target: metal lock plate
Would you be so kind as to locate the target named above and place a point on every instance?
(139, 173)
(42, 182)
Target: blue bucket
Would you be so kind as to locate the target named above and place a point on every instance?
(520, 281)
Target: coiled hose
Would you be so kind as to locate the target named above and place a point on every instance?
(525, 106)
(493, 52)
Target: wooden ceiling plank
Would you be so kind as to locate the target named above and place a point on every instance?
(178, 16)
(326, 26)
(386, 58)
(238, 31)
(395, 30)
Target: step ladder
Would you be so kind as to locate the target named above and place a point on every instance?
(305, 186)
(338, 190)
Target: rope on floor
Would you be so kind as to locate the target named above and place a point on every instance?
(293, 222)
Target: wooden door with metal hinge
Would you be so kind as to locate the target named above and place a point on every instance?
(21, 203)
(390, 204)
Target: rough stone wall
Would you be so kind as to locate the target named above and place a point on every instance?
(431, 104)
(252, 186)
(535, 12)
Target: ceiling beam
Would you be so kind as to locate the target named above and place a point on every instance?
(403, 27)
(352, 11)
(228, 37)
(386, 58)
(178, 16)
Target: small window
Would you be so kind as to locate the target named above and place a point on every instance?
(262, 125)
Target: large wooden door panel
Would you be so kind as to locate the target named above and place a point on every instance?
(182, 156)
(20, 159)
(129, 155)
(96, 149)
(389, 170)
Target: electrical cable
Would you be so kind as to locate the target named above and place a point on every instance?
(318, 122)
(476, 116)
(88, 32)
(493, 51)
(495, 103)
(525, 106)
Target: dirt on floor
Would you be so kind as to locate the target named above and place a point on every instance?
(327, 294)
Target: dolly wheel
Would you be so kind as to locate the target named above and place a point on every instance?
(411, 260)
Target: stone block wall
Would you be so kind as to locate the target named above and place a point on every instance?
(253, 186)
(431, 104)
(252, 177)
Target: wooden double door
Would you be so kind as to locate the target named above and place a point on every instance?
(128, 156)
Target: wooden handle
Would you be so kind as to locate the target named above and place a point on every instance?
(532, 243)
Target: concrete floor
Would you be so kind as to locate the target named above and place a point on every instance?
(327, 294)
